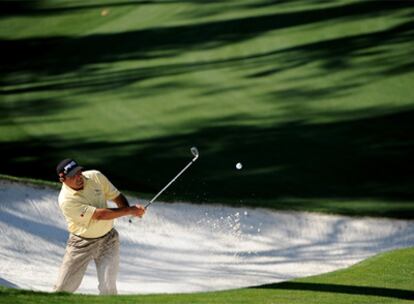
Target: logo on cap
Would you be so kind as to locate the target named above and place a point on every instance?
(69, 167)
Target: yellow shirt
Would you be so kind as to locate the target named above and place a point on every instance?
(78, 206)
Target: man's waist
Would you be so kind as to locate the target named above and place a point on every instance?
(95, 229)
(93, 238)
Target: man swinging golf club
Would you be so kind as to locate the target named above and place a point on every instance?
(83, 201)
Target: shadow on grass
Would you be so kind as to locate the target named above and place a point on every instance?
(344, 289)
(366, 158)
(39, 8)
(63, 52)
(359, 53)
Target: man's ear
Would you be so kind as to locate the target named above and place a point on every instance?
(61, 177)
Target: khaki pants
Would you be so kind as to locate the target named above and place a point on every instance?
(79, 252)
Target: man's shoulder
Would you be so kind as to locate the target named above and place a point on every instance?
(93, 177)
(91, 173)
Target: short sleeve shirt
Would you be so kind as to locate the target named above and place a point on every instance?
(78, 206)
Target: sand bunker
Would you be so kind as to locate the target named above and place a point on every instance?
(187, 248)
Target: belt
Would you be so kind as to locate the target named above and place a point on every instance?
(100, 237)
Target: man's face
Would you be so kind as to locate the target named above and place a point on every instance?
(75, 182)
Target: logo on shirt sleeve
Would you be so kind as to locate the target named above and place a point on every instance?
(83, 211)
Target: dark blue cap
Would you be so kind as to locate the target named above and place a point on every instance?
(68, 167)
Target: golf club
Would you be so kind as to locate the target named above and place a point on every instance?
(195, 153)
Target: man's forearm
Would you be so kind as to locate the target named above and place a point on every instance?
(111, 213)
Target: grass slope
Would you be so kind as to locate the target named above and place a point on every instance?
(313, 97)
(385, 278)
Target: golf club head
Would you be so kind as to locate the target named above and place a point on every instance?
(194, 151)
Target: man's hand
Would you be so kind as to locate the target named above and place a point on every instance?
(137, 210)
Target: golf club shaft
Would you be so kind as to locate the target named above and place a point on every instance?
(173, 180)
(194, 151)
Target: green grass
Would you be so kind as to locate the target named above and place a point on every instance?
(385, 278)
(313, 97)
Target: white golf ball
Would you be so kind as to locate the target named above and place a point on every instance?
(239, 166)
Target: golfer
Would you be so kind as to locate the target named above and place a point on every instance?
(83, 201)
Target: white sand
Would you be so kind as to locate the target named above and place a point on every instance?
(186, 248)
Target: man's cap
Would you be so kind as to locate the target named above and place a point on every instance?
(68, 167)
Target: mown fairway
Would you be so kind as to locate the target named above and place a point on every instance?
(385, 278)
(315, 98)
